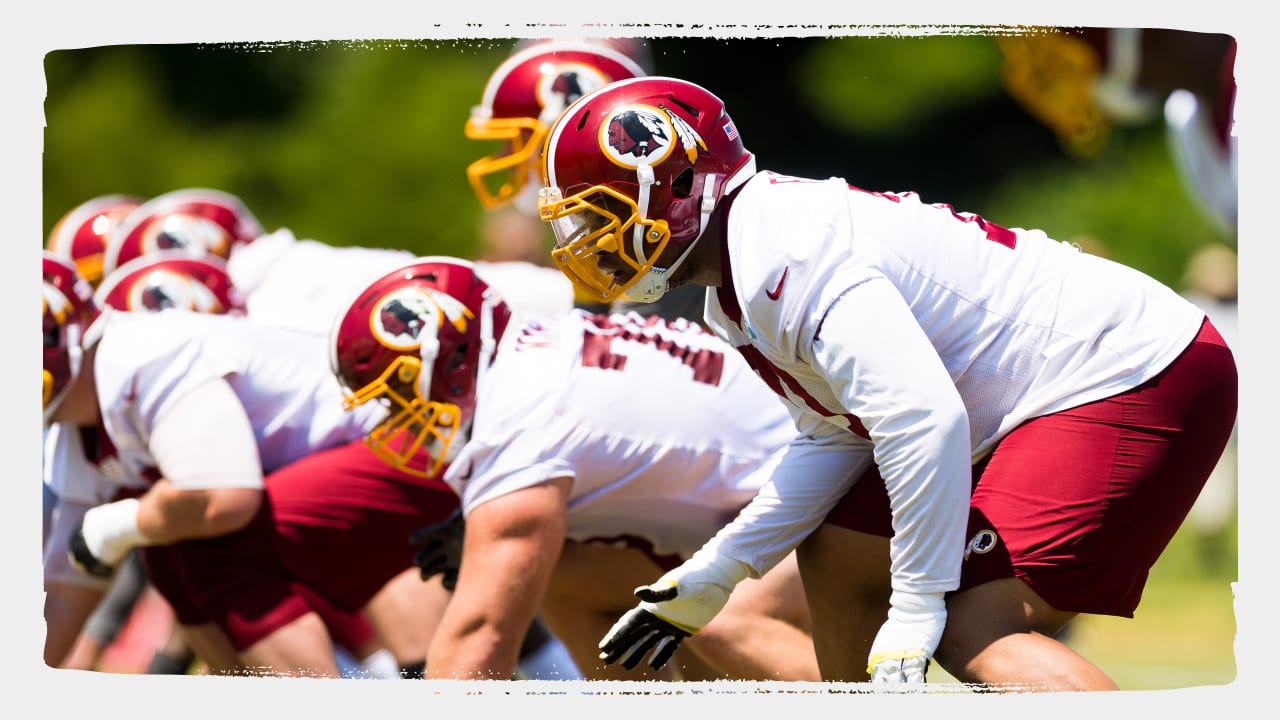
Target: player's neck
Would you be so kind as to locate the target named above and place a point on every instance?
(705, 258)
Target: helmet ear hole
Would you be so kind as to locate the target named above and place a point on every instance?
(405, 374)
(682, 184)
(459, 357)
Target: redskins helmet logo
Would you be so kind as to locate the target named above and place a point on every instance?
(401, 318)
(563, 83)
(196, 235)
(164, 290)
(642, 134)
(982, 542)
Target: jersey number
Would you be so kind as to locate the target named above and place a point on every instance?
(598, 339)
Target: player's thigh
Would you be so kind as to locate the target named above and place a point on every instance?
(302, 647)
(846, 582)
(590, 589)
(981, 615)
(598, 579)
(212, 646)
(405, 613)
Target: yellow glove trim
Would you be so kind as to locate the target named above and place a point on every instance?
(891, 655)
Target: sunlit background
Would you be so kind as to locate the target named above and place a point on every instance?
(362, 144)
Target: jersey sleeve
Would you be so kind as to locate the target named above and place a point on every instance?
(522, 458)
(205, 441)
(805, 481)
(883, 369)
(145, 361)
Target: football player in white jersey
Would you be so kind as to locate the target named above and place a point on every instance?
(371, 507)
(163, 425)
(167, 279)
(1080, 402)
(1082, 81)
(579, 475)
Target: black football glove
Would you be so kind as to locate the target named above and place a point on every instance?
(440, 549)
(671, 609)
(635, 634)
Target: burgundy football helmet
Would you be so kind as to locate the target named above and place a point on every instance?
(81, 235)
(417, 340)
(523, 97)
(171, 279)
(69, 310)
(200, 221)
(632, 167)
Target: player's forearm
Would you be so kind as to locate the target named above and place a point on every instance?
(484, 653)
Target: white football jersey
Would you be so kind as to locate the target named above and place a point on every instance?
(306, 284)
(663, 429)
(146, 361)
(908, 306)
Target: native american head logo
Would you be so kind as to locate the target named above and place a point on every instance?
(563, 83)
(982, 542)
(401, 319)
(642, 134)
(165, 289)
(196, 235)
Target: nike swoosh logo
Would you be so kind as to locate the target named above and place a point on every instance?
(777, 291)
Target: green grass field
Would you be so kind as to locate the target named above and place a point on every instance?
(1183, 632)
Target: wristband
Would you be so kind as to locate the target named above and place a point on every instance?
(111, 530)
(693, 593)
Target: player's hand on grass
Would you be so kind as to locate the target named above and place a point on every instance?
(678, 605)
(903, 648)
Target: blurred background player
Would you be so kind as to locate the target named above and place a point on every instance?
(297, 283)
(567, 502)
(1083, 81)
(81, 234)
(199, 221)
(154, 643)
(521, 99)
(80, 237)
(1211, 283)
(301, 285)
(105, 396)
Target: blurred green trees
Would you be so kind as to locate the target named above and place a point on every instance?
(361, 143)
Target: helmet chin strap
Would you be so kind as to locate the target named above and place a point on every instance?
(430, 348)
(428, 351)
(657, 281)
(488, 345)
